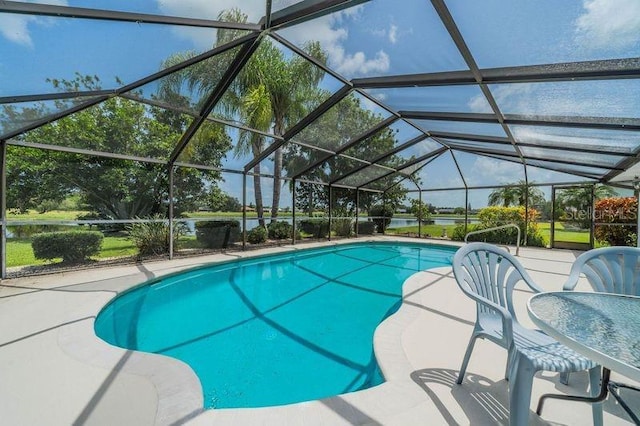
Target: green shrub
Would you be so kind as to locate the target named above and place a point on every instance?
(366, 228)
(218, 234)
(343, 227)
(382, 215)
(491, 217)
(257, 235)
(72, 246)
(152, 238)
(318, 228)
(618, 210)
(280, 230)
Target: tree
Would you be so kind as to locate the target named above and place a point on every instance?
(516, 195)
(348, 118)
(575, 202)
(221, 201)
(421, 210)
(271, 93)
(113, 188)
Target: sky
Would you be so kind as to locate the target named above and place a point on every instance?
(377, 38)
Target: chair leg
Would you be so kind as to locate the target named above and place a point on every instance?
(467, 355)
(564, 378)
(595, 376)
(520, 390)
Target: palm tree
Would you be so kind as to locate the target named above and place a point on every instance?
(271, 93)
(516, 195)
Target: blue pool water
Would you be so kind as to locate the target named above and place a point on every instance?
(276, 329)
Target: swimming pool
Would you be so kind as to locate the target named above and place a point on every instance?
(277, 329)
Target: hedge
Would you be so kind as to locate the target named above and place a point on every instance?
(257, 235)
(491, 217)
(318, 228)
(280, 230)
(71, 246)
(619, 210)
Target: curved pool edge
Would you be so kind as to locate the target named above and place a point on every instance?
(179, 393)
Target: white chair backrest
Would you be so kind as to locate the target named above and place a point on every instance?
(609, 270)
(489, 272)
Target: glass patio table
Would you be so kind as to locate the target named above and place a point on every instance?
(601, 326)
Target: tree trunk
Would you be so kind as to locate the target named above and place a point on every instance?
(257, 184)
(277, 184)
(278, 129)
(257, 192)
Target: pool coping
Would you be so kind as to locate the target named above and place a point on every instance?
(179, 392)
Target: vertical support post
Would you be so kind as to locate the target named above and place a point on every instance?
(526, 213)
(382, 221)
(330, 209)
(244, 211)
(552, 231)
(636, 186)
(3, 208)
(419, 215)
(293, 212)
(357, 210)
(170, 211)
(592, 217)
(466, 210)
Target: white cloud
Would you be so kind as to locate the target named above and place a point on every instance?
(609, 24)
(15, 28)
(488, 171)
(393, 34)
(479, 103)
(207, 9)
(357, 63)
(328, 30)
(331, 33)
(210, 9)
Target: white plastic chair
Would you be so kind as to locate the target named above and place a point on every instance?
(608, 270)
(488, 275)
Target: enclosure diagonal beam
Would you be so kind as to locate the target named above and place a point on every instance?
(132, 86)
(604, 123)
(191, 61)
(308, 57)
(218, 92)
(623, 165)
(384, 156)
(530, 157)
(309, 9)
(112, 15)
(401, 167)
(454, 32)
(497, 140)
(568, 71)
(57, 116)
(431, 157)
(53, 96)
(83, 151)
(301, 125)
(515, 159)
(354, 141)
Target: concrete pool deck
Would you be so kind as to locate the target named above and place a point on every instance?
(55, 371)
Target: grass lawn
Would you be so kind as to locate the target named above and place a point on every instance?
(433, 230)
(572, 236)
(576, 236)
(51, 215)
(20, 253)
